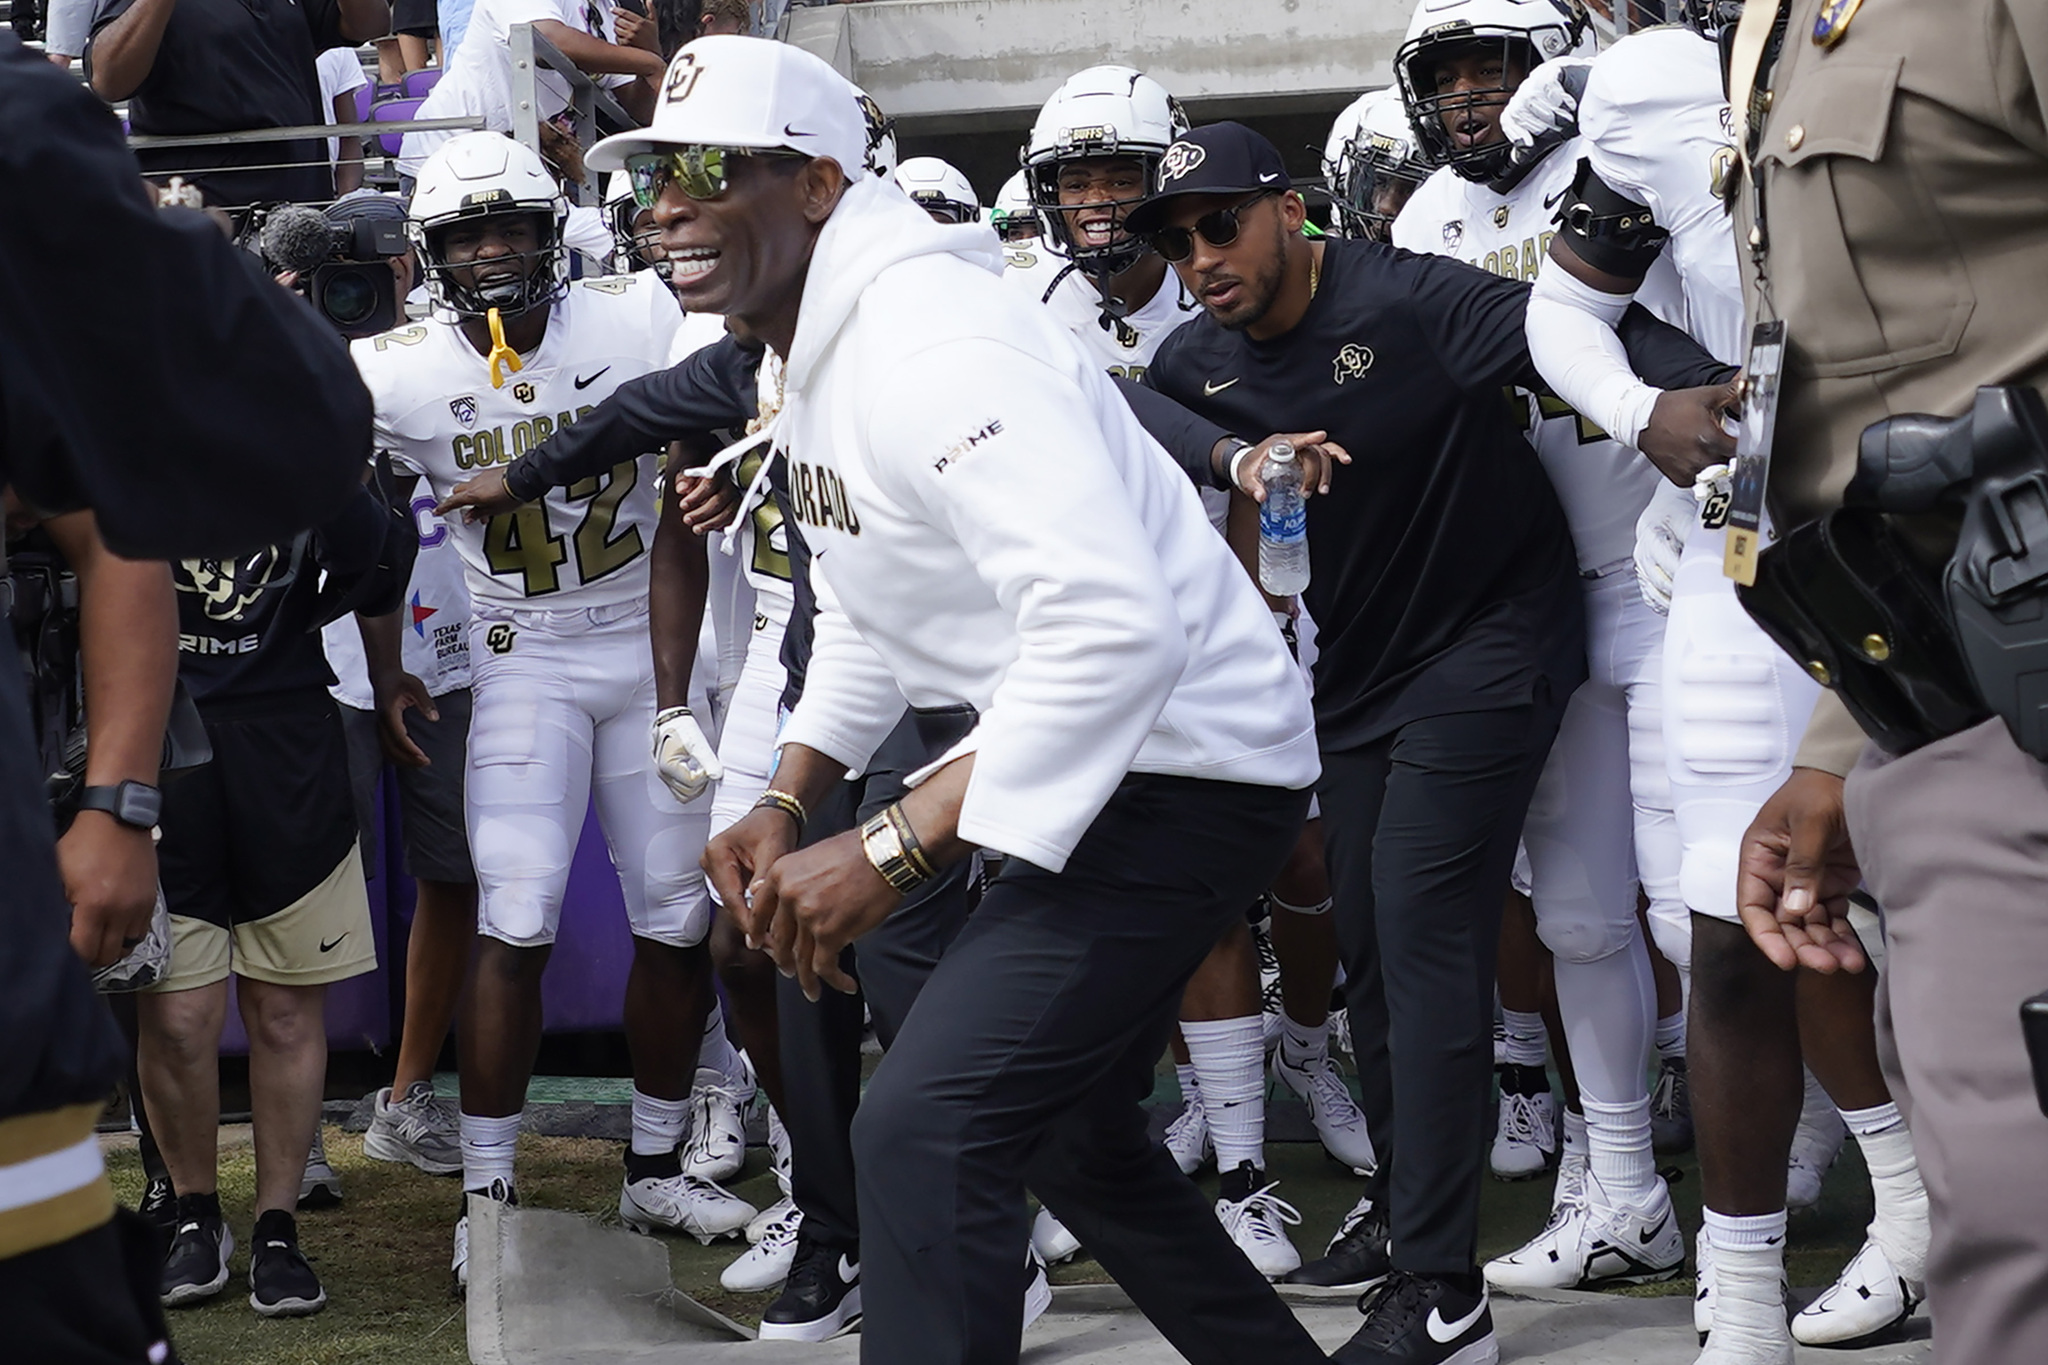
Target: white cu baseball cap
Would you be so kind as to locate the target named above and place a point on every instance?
(730, 91)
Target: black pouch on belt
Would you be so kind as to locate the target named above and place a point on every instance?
(1997, 582)
(1845, 597)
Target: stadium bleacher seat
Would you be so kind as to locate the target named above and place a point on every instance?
(418, 83)
(393, 111)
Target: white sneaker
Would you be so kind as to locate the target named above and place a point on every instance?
(716, 1147)
(683, 1203)
(1867, 1298)
(1764, 1341)
(767, 1262)
(1187, 1137)
(1269, 982)
(500, 1190)
(768, 1218)
(1338, 1031)
(778, 1149)
(1051, 1240)
(417, 1129)
(1589, 1243)
(1705, 1295)
(1815, 1145)
(1258, 1224)
(1330, 1107)
(1574, 1174)
(1038, 1293)
(1525, 1143)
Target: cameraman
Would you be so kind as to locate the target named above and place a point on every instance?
(351, 260)
(239, 420)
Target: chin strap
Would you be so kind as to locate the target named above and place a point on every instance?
(502, 357)
(1113, 309)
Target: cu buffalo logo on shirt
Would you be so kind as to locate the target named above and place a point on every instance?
(498, 639)
(1352, 361)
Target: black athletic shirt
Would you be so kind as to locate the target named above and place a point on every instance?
(1442, 572)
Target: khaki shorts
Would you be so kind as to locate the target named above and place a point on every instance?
(322, 937)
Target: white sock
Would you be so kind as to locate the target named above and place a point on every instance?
(1576, 1142)
(1901, 1223)
(1671, 1036)
(1229, 1057)
(487, 1149)
(1749, 1277)
(657, 1123)
(718, 1061)
(1302, 1043)
(1619, 1141)
(1528, 1041)
(1190, 1087)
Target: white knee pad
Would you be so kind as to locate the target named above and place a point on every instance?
(1735, 706)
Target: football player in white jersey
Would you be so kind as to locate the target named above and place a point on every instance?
(1372, 164)
(1602, 809)
(566, 689)
(1656, 131)
(1093, 155)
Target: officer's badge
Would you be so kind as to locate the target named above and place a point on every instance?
(1352, 361)
(464, 409)
(524, 391)
(1454, 234)
(1832, 22)
(1500, 215)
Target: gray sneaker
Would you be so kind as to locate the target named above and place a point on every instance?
(319, 1187)
(418, 1129)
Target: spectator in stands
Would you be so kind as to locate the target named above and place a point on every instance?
(616, 45)
(218, 66)
(726, 16)
(454, 17)
(69, 24)
(341, 75)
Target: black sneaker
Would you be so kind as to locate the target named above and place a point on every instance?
(196, 1267)
(1420, 1320)
(281, 1284)
(160, 1206)
(820, 1299)
(1357, 1258)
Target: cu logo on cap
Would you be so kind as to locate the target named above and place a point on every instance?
(1353, 361)
(682, 78)
(1181, 158)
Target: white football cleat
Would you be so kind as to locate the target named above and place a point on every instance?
(1867, 1298)
(683, 1203)
(1258, 1223)
(768, 1218)
(1525, 1142)
(1038, 1293)
(1051, 1240)
(1336, 1116)
(767, 1262)
(1590, 1242)
(1815, 1145)
(716, 1146)
(1187, 1137)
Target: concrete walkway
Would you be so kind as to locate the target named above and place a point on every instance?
(556, 1289)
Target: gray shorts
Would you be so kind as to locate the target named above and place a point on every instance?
(430, 821)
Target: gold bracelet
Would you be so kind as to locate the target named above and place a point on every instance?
(787, 804)
(912, 849)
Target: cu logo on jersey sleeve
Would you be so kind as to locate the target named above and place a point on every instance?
(498, 639)
(1352, 361)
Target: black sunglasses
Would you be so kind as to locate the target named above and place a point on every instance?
(1176, 244)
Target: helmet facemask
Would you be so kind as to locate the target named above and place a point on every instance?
(1435, 114)
(545, 274)
(1122, 250)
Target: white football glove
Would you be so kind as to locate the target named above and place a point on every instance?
(1660, 542)
(684, 758)
(1547, 101)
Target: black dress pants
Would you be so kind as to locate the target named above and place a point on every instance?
(1026, 1061)
(1420, 830)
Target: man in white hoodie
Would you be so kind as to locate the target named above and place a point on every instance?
(992, 531)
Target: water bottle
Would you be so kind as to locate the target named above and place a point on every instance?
(1283, 524)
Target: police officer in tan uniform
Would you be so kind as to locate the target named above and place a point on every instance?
(1893, 216)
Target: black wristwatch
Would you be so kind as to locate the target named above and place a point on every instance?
(132, 803)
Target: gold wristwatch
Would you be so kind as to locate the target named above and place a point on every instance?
(893, 849)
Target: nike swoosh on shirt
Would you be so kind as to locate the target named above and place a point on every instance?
(330, 947)
(1441, 1331)
(1210, 389)
(586, 383)
(1550, 200)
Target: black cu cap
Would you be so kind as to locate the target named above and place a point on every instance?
(1217, 158)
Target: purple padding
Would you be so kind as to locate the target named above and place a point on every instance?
(393, 111)
(418, 83)
(363, 102)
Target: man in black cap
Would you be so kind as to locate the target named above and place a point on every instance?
(1451, 633)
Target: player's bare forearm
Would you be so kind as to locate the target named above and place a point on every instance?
(383, 645)
(680, 574)
(128, 651)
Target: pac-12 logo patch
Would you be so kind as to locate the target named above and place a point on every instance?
(1454, 234)
(464, 409)
(1352, 361)
(498, 639)
(1181, 158)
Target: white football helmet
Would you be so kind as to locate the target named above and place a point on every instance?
(1105, 111)
(940, 189)
(475, 175)
(631, 240)
(1531, 31)
(1012, 215)
(881, 158)
(1372, 163)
